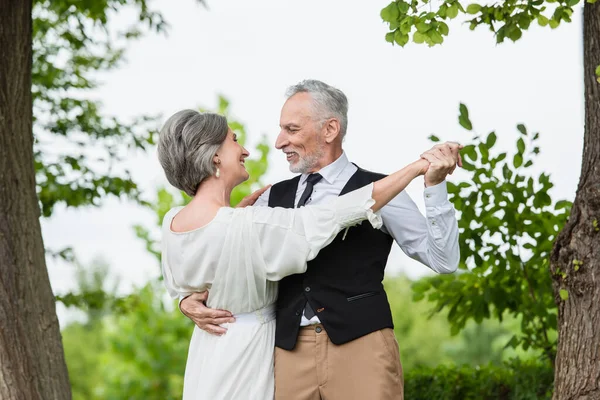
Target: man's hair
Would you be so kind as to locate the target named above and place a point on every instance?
(328, 102)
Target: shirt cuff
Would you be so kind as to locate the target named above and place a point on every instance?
(436, 195)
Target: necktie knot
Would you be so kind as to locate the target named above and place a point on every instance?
(314, 178)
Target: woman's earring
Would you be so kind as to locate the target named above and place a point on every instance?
(218, 174)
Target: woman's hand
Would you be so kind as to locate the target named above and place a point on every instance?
(251, 198)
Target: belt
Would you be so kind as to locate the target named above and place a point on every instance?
(261, 316)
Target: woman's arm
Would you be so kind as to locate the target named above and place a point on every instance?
(385, 189)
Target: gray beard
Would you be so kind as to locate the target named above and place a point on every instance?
(307, 163)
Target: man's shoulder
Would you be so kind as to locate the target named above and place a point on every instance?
(284, 192)
(287, 182)
(369, 174)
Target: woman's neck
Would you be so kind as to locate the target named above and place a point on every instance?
(214, 191)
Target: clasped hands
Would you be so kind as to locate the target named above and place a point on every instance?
(443, 159)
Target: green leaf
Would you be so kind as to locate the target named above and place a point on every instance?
(473, 8)
(463, 118)
(434, 138)
(517, 160)
(389, 37)
(423, 27)
(403, 7)
(470, 152)
(465, 123)
(491, 140)
(562, 204)
(443, 28)
(542, 20)
(572, 3)
(598, 73)
(390, 13)
(442, 11)
(521, 146)
(554, 23)
(515, 34)
(436, 37)
(400, 38)
(522, 129)
(524, 21)
(452, 11)
(564, 294)
(418, 37)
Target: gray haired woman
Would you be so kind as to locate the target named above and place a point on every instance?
(241, 253)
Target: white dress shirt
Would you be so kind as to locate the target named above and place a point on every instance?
(431, 240)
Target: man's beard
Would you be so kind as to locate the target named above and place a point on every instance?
(308, 162)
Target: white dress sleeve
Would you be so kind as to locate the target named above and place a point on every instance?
(289, 238)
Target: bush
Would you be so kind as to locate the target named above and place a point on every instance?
(515, 380)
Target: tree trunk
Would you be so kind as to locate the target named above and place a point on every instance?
(32, 364)
(575, 260)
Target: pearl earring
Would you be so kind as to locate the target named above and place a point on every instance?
(218, 174)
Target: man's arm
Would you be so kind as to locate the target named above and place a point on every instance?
(433, 239)
(207, 319)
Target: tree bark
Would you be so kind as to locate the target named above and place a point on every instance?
(576, 253)
(32, 364)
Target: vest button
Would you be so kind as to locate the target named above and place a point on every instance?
(318, 329)
(298, 313)
(307, 289)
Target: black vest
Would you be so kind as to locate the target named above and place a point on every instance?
(343, 284)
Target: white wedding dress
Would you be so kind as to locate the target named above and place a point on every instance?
(239, 256)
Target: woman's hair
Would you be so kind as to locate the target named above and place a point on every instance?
(187, 145)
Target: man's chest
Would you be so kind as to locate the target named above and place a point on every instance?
(321, 193)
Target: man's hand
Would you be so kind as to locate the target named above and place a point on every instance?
(251, 198)
(443, 159)
(205, 318)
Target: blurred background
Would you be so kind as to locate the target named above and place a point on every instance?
(103, 194)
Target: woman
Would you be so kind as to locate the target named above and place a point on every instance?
(240, 254)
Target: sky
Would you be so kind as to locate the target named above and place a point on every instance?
(251, 51)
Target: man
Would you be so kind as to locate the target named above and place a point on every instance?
(334, 337)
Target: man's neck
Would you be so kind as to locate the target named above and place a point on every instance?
(326, 160)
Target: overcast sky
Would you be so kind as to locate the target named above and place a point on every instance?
(251, 51)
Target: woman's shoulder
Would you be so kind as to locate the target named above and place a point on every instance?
(223, 216)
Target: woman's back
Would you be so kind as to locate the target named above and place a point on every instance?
(219, 257)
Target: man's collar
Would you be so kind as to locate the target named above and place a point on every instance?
(332, 171)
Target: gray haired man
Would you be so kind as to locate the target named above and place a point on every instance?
(334, 335)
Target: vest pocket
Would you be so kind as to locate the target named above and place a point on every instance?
(362, 296)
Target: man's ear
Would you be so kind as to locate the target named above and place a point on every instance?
(332, 129)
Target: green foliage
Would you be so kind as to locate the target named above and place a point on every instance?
(507, 19)
(512, 381)
(507, 223)
(138, 354)
(77, 148)
(426, 342)
(147, 351)
(84, 345)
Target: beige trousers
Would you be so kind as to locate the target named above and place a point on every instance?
(367, 368)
